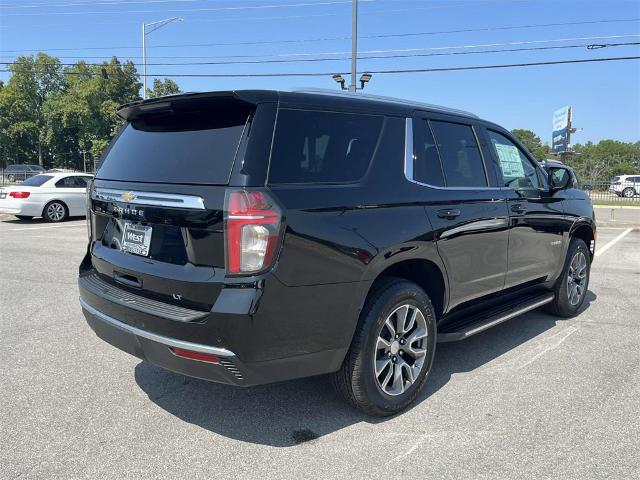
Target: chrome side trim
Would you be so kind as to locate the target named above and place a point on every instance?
(408, 149)
(169, 342)
(149, 198)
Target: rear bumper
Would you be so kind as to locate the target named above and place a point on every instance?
(157, 349)
(20, 207)
(251, 349)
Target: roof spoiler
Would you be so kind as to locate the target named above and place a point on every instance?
(193, 101)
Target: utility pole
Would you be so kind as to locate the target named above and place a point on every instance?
(366, 76)
(354, 44)
(144, 61)
(84, 160)
(147, 28)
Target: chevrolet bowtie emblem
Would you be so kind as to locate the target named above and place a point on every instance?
(128, 196)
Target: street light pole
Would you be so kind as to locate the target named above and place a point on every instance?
(147, 28)
(354, 44)
(144, 62)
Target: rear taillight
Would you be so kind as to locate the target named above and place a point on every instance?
(19, 194)
(252, 231)
(88, 205)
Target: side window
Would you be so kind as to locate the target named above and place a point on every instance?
(66, 182)
(81, 182)
(426, 164)
(322, 147)
(461, 159)
(516, 169)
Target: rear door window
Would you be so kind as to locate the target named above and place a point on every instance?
(426, 164)
(67, 182)
(81, 182)
(461, 159)
(322, 147)
(189, 147)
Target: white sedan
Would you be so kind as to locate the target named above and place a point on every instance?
(53, 196)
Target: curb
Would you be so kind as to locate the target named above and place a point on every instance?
(616, 225)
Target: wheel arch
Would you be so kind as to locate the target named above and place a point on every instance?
(55, 200)
(427, 274)
(585, 231)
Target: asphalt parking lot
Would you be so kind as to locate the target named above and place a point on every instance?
(536, 397)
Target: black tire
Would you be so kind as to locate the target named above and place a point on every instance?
(51, 210)
(356, 380)
(562, 305)
(24, 217)
(628, 192)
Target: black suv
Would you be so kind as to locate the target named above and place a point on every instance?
(257, 236)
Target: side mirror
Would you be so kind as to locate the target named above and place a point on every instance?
(587, 186)
(559, 178)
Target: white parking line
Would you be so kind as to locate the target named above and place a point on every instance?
(607, 246)
(83, 224)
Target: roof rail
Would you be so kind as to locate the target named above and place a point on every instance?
(381, 98)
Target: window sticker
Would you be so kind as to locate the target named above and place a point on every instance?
(510, 162)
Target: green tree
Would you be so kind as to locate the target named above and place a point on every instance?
(162, 88)
(599, 162)
(33, 80)
(83, 118)
(532, 142)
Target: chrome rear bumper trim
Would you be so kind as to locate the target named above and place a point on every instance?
(168, 341)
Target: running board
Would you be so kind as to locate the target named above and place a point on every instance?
(468, 327)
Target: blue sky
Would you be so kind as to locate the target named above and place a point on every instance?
(605, 96)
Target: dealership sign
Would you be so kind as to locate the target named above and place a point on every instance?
(561, 130)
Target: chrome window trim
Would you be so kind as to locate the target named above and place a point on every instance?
(409, 158)
(154, 337)
(156, 199)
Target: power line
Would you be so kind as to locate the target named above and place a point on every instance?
(90, 2)
(482, 45)
(243, 19)
(206, 57)
(394, 71)
(193, 10)
(375, 57)
(347, 37)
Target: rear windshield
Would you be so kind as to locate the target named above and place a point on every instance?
(189, 147)
(322, 147)
(36, 181)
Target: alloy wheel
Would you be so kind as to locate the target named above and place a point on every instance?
(400, 350)
(55, 212)
(577, 278)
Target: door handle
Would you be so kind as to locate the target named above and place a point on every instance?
(518, 208)
(448, 213)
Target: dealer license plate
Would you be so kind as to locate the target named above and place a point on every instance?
(136, 238)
